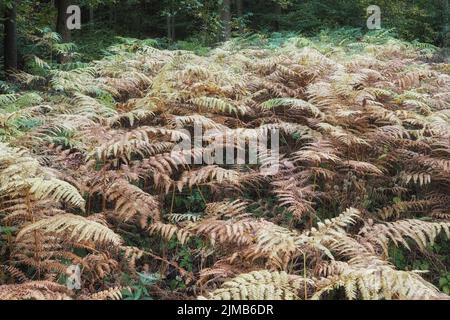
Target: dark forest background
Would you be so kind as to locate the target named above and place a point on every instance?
(29, 25)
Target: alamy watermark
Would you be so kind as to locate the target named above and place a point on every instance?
(260, 147)
(73, 21)
(225, 147)
(73, 281)
(374, 20)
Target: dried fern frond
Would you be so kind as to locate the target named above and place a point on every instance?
(261, 285)
(132, 202)
(226, 208)
(180, 217)
(137, 141)
(35, 290)
(208, 174)
(216, 104)
(423, 233)
(15, 273)
(167, 231)
(278, 246)
(198, 120)
(379, 282)
(317, 152)
(235, 231)
(56, 190)
(109, 294)
(23, 176)
(294, 196)
(294, 104)
(74, 228)
(132, 116)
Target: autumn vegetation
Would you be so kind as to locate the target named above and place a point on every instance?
(359, 208)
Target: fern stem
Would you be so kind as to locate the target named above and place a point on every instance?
(89, 204)
(304, 274)
(35, 235)
(173, 200)
(201, 194)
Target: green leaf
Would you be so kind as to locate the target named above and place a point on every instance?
(397, 200)
(446, 289)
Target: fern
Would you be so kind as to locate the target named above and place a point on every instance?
(261, 285)
(74, 228)
(91, 173)
(292, 103)
(37, 290)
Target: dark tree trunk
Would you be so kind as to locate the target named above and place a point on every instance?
(446, 26)
(168, 27)
(10, 45)
(171, 27)
(240, 14)
(277, 15)
(226, 19)
(112, 15)
(61, 23)
(91, 16)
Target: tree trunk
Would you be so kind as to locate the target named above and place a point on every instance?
(10, 45)
(170, 20)
(168, 28)
(240, 14)
(446, 26)
(173, 28)
(111, 15)
(91, 16)
(226, 19)
(277, 15)
(61, 23)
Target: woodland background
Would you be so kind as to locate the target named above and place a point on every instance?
(197, 25)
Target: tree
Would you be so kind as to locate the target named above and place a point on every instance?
(10, 39)
(172, 9)
(61, 20)
(91, 15)
(278, 12)
(170, 20)
(240, 14)
(446, 27)
(225, 15)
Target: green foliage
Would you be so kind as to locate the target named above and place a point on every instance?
(138, 289)
(433, 263)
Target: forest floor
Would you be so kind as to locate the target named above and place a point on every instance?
(349, 187)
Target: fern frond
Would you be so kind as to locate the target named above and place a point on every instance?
(261, 285)
(35, 290)
(73, 228)
(132, 202)
(421, 232)
(294, 104)
(56, 190)
(226, 208)
(109, 294)
(217, 105)
(382, 282)
(167, 231)
(208, 174)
